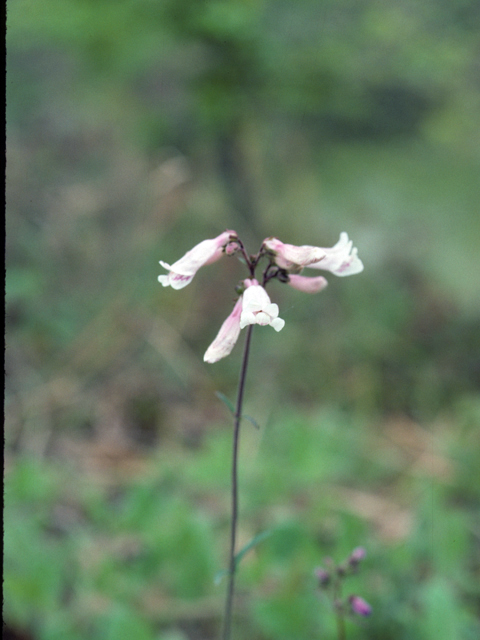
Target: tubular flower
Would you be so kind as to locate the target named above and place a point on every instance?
(288, 256)
(307, 285)
(226, 337)
(181, 272)
(341, 259)
(257, 307)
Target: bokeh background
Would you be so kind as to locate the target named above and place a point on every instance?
(137, 128)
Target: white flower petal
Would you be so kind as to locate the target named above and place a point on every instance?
(257, 307)
(341, 259)
(262, 318)
(247, 317)
(278, 324)
(272, 309)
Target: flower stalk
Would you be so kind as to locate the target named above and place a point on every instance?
(284, 263)
(227, 622)
(330, 581)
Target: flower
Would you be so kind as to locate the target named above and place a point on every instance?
(257, 307)
(341, 259)
(253, 307)
(359, 606)
(226, 337)
(181, 272)
(307, 285)
(323, 576)
(357, 555)
(288, 256)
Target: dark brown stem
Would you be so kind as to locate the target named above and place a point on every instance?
(227, 624)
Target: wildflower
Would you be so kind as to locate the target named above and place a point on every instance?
(288, 256)
(341, 259)
(323, 576)
(226, 337)
(359, 606)
(257, 307)
(307, 285)
(181, 272)
(356, 556)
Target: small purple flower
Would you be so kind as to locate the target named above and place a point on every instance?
(322, 576)
(357, 555)
(359, 606)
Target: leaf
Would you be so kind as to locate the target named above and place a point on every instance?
(253, 542)
(226, 401)
(219, 576)
(252, 421)
(230, 406)
(244, 550)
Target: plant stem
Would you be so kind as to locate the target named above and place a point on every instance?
(339, 612)
(227, 628)
(340, 626)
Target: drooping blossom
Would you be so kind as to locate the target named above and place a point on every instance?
(307, 285)
(341, 259)
(226, 337)
(359, 606)
(289, 256)
(182, 272)
(257, 307)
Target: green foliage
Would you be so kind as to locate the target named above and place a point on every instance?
(145, 554)
(363, 69)
(122, 623)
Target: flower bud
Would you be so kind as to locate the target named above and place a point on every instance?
(357, 555)
(307, 285)
(231, 248)
(359, 606)
(323, 577)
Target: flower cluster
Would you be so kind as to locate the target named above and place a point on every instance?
(285, 262)
(330, 580)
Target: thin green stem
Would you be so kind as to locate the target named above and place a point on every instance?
(227, 624)
(340, 625)
(339, 612)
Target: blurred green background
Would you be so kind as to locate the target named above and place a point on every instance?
(137, 128)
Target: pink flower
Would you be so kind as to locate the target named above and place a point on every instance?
(357, 555)
(226, 337)
(181, 272)
(341, 259)
(323, 577)
(288, 256)
(257, 307)
(360, 606)
(253, 307)
(307, 285)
